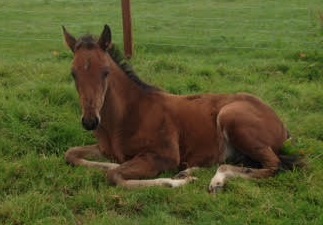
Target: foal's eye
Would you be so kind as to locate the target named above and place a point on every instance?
(105, 74)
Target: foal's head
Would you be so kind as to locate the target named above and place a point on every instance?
(90, 69)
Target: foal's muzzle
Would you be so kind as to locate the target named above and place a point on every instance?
(90, 123)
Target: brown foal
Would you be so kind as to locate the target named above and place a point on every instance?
(145, 131)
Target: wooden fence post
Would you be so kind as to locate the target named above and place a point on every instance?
(127, 28)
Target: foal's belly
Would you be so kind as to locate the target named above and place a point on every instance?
(200, 147)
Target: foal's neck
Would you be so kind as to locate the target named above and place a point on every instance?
(123, 87)
(122, 97)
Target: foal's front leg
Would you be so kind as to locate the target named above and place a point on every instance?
(186, 173)
(81, 156)
(134, 173)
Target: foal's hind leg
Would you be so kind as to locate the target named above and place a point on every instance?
(244, 127)
(270, 163)
(80, 156)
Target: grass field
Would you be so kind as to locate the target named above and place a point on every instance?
(273, 49)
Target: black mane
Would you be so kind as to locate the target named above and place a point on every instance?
(89, 42)
(119, 58)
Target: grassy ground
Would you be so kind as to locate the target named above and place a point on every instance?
(272, 49)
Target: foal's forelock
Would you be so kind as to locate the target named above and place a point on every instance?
(87, 42)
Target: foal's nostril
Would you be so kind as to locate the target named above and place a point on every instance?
(90, 123)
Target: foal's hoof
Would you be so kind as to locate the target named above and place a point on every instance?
(215, 189)
(191, 179)
(70, 164)
(181, 175)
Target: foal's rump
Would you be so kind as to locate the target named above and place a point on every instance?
(249, 126)
(250, 121)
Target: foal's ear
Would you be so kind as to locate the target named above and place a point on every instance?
(69, 39)
(105, 38)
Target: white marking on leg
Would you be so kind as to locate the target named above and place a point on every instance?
(222, 174)
(227, 172)
(166, 182)
(99, 165)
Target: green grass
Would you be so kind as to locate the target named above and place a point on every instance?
(273, 49)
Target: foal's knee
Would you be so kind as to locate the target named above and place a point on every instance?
(71, 157)
(113, 177)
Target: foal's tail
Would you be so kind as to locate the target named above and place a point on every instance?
(290, 159)
(292, 162)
